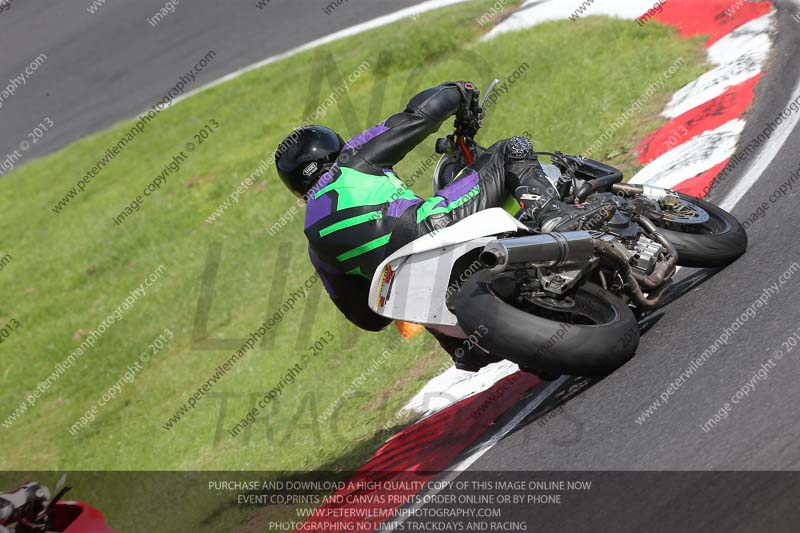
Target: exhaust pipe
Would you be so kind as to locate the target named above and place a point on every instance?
(654, 193)
(543, 250)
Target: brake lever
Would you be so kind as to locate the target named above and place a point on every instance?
(488, 92)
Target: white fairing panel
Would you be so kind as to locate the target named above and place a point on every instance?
(412, 284)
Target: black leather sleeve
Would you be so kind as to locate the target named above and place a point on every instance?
(403, 131)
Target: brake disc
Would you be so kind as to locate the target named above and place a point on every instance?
(685, 213)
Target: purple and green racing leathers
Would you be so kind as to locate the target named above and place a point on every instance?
(359, 212)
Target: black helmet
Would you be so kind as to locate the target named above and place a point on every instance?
(304, 154)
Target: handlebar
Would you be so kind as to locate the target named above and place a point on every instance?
(469, 121)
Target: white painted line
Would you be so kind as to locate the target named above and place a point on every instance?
(754, 172)
(767, 154)
(535, 12)
(476, 453)
(739, 55)
(347, 32)
(482, 448)
(765, 157)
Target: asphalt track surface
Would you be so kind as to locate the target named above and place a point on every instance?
(693, 480)
(112, 65)
(597, 429)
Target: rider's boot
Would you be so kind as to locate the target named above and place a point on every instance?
(523, 169)
(473, 359)
(540, 199)
(466, 355)
(558, 216)
(534, 192)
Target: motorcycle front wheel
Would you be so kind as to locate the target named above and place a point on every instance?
(704, 235)
(589, 332)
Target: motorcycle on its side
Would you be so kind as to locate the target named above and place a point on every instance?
(553, 302)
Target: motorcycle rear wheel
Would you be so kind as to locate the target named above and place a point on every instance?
(591, 332)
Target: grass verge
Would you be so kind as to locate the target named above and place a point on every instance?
(72, 269)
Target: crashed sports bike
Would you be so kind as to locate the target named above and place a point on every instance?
(559, 303)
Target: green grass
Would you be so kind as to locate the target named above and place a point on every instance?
(72, 269)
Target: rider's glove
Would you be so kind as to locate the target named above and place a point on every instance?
(468, 123)
(470, 93)
(469, 117)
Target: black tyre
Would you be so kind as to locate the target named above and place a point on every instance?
(703, 234)
(591, 332)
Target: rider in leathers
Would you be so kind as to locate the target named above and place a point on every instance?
(359, 211)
